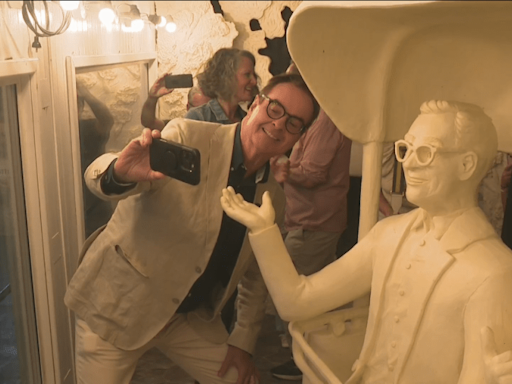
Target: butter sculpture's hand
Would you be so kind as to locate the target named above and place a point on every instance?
(498, 366)
(253, 217)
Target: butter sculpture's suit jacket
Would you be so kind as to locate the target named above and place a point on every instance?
(465, 284)
(136, 271)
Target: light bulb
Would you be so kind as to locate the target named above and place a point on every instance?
(137, 25)
(69, 5)
(162, 22)
(171, 27)
(107, 16)
(73, 26)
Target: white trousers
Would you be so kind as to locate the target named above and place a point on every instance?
(98, 361)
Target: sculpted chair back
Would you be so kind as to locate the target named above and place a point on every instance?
(326, 347)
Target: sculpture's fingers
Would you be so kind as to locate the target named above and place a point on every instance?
(488, 343)
(505, 380)
(224, 202)
(266, 200)
(239, 199)
(226, 199)
(503, 358)
(229, 194)
(504, 370)
(267, 209)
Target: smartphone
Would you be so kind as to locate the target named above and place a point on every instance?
(175, 160)
(178, 81)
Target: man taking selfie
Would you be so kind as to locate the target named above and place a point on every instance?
(159, 273)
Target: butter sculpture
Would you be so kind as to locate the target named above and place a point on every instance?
(439, 276)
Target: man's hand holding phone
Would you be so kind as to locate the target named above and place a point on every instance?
(133, 164)
(176, 160)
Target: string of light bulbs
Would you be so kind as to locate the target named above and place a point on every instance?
(39, 20)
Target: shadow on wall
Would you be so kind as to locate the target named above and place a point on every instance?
(277, 49)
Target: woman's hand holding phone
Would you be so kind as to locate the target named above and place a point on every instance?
(158, 89)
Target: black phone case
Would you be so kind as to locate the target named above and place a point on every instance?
(178, 81)
(176, 160)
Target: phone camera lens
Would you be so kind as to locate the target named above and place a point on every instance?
(187, 161)
(171, 160)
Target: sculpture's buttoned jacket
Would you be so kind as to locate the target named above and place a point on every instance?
(465, 284)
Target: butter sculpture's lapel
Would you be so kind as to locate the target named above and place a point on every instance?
(466, 229)
(469, 227)
(385, 253)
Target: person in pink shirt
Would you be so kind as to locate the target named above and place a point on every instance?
(316, 182)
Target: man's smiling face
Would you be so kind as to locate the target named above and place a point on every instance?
(268, 136)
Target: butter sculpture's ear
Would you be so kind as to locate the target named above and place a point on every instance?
(467, 166)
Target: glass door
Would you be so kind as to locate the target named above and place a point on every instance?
(19, 356)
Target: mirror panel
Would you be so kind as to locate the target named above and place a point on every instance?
(109, 101)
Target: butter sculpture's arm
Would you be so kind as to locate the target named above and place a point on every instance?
(296, 296)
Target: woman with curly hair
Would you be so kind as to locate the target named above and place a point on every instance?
(228, 79)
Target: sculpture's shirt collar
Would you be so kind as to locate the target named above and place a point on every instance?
(438, 225)
(467, 227)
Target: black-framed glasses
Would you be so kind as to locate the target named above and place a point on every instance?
(275, 110)
(425, 153)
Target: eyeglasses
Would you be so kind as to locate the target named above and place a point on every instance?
(424, 153)
(275, 110)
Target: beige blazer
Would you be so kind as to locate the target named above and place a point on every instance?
(465, 285)
(135, 272)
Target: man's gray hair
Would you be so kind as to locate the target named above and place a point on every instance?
(191, 93)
